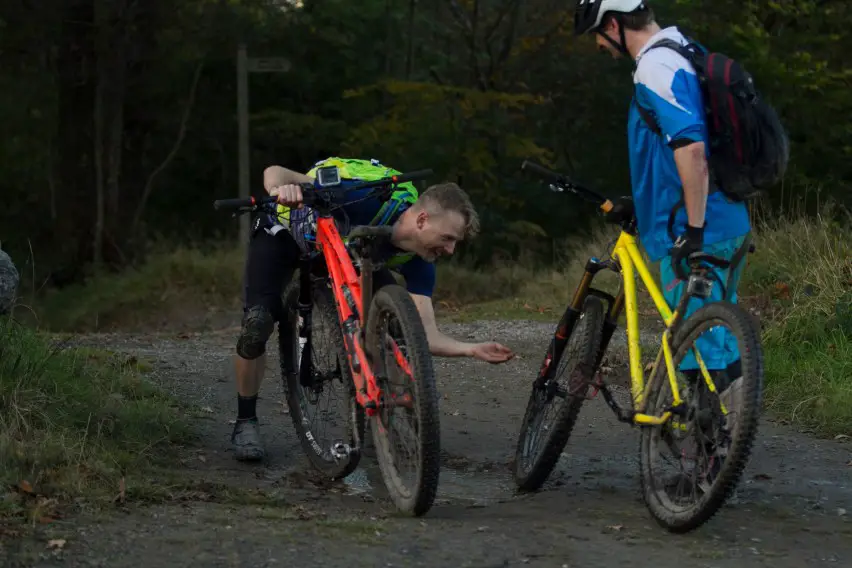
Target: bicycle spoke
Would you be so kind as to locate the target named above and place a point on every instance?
(691, 464)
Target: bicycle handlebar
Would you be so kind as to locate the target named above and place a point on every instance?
(564, 182)
(237, 203)
(311, 196)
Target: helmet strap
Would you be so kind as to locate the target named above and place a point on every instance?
(621, 47)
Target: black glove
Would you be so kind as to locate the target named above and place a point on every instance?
(622, 210)
(689, 242)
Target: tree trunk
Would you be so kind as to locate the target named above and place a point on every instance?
(73, 163)
(475, 76)
(388, 38)
(102, 79)
(118, 51)
(149, 184)
(409, 57)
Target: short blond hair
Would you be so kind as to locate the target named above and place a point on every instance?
(449, 196)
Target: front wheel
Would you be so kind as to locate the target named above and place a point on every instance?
(406, 431)
(707, 448)
(553, 406)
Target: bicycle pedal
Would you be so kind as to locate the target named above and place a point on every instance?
(341, 450)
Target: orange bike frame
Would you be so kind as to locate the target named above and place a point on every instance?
(347, 288)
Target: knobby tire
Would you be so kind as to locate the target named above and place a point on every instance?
(323, 306)
(679, 519)
(587, 333)
(394, 302)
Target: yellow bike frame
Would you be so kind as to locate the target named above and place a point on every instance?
(626, 252)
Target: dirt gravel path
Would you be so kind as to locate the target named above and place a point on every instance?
(791, 509)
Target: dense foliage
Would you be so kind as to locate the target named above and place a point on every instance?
(119, 118)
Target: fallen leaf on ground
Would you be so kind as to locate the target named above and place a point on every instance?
(56, 543)
(615, 527)
(842, 437)
(207, 409)
(25, 486)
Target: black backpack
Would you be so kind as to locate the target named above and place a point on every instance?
(749, 149)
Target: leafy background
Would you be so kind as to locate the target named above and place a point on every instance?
(119, 118)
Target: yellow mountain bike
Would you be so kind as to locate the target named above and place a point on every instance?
(674, 406)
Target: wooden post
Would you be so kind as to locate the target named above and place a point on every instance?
(242, 118)
(244, 67)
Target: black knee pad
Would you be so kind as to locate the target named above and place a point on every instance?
(258, 324)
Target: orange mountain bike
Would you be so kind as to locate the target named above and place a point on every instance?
(337, 333)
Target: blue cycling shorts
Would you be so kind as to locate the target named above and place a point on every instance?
(718, 347)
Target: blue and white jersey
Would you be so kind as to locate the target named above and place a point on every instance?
(666, 85)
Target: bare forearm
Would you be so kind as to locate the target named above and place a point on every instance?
(274, 176)
(439, 344)
(692, 168)
(445, 346)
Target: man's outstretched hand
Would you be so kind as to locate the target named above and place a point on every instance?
(492, 352)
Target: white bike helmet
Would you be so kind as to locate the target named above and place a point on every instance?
(589, 13)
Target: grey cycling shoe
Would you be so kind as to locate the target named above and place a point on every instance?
(258, 325)
(246, 440)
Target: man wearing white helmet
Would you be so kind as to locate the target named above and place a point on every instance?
(678, 210)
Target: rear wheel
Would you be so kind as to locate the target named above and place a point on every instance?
(327, 418)
(554, 406)
(713, 447)
(407, 436)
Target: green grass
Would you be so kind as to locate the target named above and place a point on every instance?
(173, 285)
(73, 424)
(800, 280)
(798, 283)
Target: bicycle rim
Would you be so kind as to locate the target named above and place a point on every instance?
(540, 442)
(712, 482)
(412, 429)
(327, 418)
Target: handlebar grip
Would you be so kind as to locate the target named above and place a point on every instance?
(235, 203)
(411, 176)
(540, 171)
(243, 202)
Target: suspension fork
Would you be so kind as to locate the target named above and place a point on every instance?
(610, 324)
(572, 313)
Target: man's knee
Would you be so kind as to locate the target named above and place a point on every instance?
(257, 326)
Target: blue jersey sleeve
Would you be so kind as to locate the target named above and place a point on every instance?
(420, 276)
(667, 86)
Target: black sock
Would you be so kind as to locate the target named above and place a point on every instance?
(246, 407)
